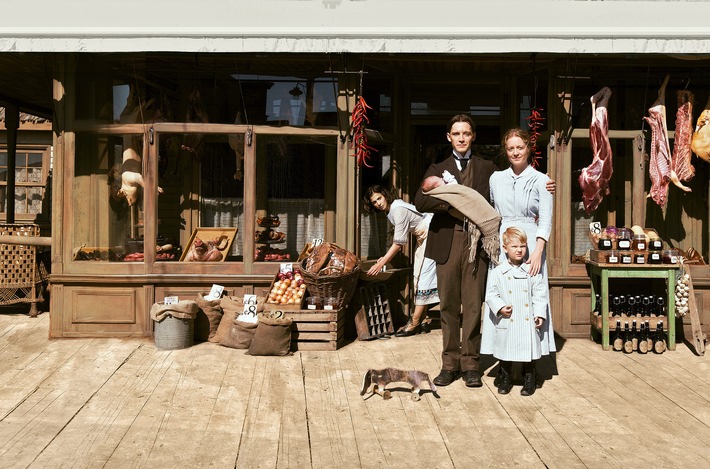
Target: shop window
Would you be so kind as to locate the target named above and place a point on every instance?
(295, 182)
(108, 217)
(202, 181)
(31, 172)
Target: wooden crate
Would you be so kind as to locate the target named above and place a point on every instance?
(317, 330)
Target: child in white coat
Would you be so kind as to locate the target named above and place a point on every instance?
(520, 306)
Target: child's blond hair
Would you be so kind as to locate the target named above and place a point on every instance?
(514, 233)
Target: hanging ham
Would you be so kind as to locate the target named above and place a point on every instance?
(680, 160)
(701, 137)
(594, 179)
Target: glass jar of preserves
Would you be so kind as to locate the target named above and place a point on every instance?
(639, 258)
(670, 256)
(654, 257)
(623, 239)
(604, 244)
(626, 258)
(612, 257)
(638, 242)
(655, 244)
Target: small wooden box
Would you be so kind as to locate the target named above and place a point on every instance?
(316, 329)
(280, 306)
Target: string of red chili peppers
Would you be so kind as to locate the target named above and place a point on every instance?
(535, 121)
(359, 134)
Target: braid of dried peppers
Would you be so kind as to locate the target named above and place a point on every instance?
(535, 121)
(359, 136)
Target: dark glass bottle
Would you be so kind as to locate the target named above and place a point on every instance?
(597, 304)
(628, 344)
(616, 305)
(618, 337)
(659, 344)
(630, 305)
(649, 336)
(643, 339)
(661, 303)
(634, 336)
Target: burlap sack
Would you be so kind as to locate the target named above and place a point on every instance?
(233, 306)
(183, 309)
(240, 335)
(272, 337)
(208, 318)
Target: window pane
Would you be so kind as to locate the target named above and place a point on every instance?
(105, 226)
(34, 160)
(291, 193)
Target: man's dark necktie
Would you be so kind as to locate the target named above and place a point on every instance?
(464, 162)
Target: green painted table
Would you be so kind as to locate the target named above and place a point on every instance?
(600, 273)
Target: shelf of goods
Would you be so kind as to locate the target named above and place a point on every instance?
(268, 237)
(601, 273)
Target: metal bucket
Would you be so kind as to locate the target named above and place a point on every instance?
(174, 333)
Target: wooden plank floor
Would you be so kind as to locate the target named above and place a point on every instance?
(116, 403)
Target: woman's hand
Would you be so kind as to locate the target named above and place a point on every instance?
(535, 262)
(539, 322)
(376, 268)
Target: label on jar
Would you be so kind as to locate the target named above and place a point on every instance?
(328, 307)
(311, 306)
(624, 244)
(613, 259)
(640, 245)
(640, 260)
(654, 257)
(626, 259)
(674, 259)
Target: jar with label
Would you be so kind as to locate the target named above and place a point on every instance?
(623, 239)
(612, 257)
(654, 257)
(330, 302)
(604, 244)
(314, 302)
(639, 242)
(670, 256)
(639, 258)
(655, 244)
(626, 258)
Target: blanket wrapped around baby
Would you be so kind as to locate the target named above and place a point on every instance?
(482, 218)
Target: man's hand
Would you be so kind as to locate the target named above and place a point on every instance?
(538, 322)
(551, 186)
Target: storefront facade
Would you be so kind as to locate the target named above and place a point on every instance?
(220, 127)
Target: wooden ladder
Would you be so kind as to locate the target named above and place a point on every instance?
(698, 336)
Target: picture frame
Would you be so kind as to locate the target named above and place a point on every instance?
(223, 236)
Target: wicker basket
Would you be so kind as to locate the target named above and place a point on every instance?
(338, 286)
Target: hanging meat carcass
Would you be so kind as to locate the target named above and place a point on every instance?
(701, 137)
(680, 160)
(659, 167)
(594, 179)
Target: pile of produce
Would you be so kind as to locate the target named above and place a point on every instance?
(288, 289)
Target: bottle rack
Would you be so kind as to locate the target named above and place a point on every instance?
(376, 311)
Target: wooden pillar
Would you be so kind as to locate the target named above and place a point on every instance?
(638, 174)
(12, 123)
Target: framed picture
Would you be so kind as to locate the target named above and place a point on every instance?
(209, 245)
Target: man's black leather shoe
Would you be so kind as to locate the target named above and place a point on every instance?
(472, 379)
(446, 377)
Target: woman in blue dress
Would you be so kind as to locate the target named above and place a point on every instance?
(520, 195)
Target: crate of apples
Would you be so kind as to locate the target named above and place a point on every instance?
(288, 289)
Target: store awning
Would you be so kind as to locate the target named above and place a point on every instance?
(361, 26)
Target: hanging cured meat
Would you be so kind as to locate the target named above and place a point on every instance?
(594, 179)
(680, 160)
(701, 137)
(660, 166)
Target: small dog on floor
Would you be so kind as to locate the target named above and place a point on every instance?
(382, 378)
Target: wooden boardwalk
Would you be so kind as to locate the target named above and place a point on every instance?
(115, 403)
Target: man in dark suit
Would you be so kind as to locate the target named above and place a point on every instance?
(461, 283)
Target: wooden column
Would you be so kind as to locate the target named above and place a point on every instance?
(638, 179)
(12, 123)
